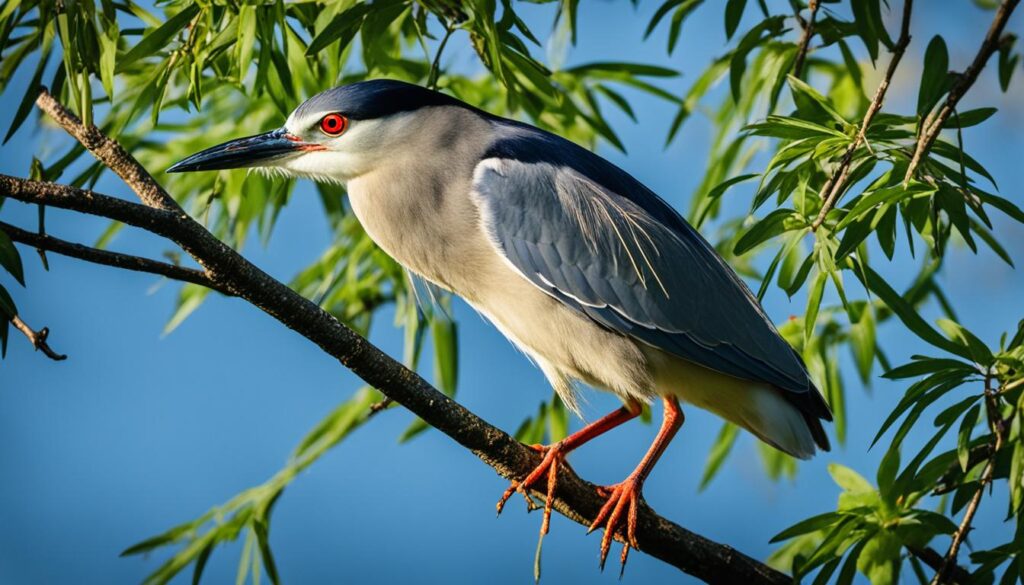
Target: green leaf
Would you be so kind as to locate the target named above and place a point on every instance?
(770, 226)
(558, 420)
(29, 99)
(862, 342)
(738, 63)
(7, 307)
(192, 295)
(884, 196)
(638, 69)
(444, 335)
(975, 347)
(969, 118)
(10, 259)
(812, 524)
(158, 38)
(814, 303)
(1004, 205)
(880, 558)
(799, 87)
(200, 565)
(793, 129)
(246, 40)
(934, 78)
(1007, 61)
(617, 99)
(733, 15)
(343, 27)
(856, 232)
(108, 54)
(865, 26)
(963, 444)
(261, 528)
(906, 312)
(887, 471)
(719, 451)
(848, 479)
(925, 365)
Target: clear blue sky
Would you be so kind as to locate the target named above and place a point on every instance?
(136, 432)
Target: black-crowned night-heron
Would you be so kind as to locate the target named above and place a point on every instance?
(579, 264)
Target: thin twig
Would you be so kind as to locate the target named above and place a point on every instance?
(837, 182)
(42, 232)
(435, 66)
(934, 122)
(805, 40)
(943, 575)
(946, 571)
(578, 500)
(382, 405)
(126, 261)
(38, 339)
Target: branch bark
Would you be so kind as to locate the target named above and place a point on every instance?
(47, 243)
(837, 182)
(574, 498)
(805, 39)
(933, 123)
(37, 338)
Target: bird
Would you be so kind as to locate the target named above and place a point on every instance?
(586, 270)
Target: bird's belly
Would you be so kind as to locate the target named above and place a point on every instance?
(562, 340)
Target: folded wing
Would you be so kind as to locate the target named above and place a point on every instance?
(630, 263)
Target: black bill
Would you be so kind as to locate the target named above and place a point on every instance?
(252, 151)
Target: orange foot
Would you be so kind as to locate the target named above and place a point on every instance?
(621, 496)
(554, 455)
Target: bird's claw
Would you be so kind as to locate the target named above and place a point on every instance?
(622, 498)
(553, 458)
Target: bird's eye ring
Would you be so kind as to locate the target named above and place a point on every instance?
(333, 124)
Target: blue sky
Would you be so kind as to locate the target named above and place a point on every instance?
(136, 431)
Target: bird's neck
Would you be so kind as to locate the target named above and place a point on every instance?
(417, 206)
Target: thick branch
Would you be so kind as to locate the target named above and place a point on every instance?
(805, 40)
(38, 339)
(575, 498)
(933, 123)
(837, 182)
(45, 242)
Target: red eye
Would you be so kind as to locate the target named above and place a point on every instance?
(333, 124)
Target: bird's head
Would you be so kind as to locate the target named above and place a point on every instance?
(335, 135)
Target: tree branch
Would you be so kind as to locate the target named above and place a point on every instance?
(837, 182)
(947, 569)
(38, 339)
(574, 498)
(45, 242)
(933, 559)
(110, 153)
(805, 40)
(933, 123)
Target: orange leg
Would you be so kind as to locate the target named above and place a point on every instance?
(628, 493)
(554, 455)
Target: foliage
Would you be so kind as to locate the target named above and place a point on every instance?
(135, 71)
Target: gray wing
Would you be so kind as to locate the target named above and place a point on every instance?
(608, 257)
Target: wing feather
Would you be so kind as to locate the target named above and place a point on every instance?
(613, 259)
